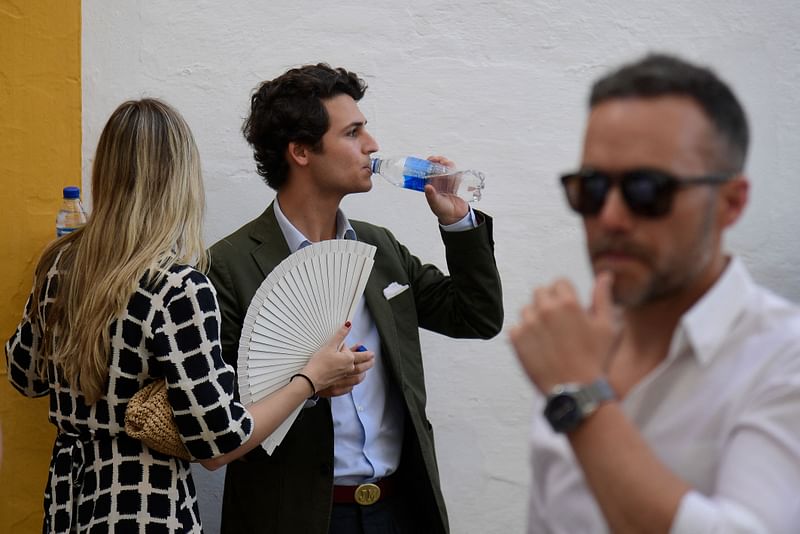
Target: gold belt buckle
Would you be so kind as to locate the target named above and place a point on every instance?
(367, 494)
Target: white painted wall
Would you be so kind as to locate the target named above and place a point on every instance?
(499, 85)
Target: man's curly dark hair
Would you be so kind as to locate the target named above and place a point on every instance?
(290, 109)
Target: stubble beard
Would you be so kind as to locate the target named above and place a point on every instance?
(668, 278)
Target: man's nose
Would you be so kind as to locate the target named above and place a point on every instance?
(615, 214)
(370, 144)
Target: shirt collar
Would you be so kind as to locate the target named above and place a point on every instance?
(711, 320)
(295, 238)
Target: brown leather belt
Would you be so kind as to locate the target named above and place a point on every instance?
(365, 494)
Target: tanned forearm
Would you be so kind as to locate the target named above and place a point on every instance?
(635, 491)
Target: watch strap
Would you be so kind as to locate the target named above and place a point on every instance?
(591, 395)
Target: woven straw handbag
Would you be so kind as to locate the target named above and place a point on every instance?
(149, 419)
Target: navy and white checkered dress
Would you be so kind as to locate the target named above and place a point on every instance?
(102, 480)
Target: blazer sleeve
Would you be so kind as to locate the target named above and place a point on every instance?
(469, 302)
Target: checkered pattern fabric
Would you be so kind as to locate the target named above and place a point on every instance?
(101, 480)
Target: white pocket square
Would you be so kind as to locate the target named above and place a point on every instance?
(393, 289)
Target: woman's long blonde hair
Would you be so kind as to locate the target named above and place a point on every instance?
(147, 213)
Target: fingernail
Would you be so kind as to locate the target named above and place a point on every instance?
(347, 324)
(361, 348)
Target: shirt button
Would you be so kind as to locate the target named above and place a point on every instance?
(360, 408)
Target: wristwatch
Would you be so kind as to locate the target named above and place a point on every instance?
(569, 404)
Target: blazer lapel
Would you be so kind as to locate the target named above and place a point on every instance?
(272, 247)
(382, 314)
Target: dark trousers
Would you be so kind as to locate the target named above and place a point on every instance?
(391, 516)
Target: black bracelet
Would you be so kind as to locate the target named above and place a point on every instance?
(310, 383)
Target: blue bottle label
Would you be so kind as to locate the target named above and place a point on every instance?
(415, 172)
(64, 231)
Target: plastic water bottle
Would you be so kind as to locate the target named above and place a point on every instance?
(416, 173)
(71, 216)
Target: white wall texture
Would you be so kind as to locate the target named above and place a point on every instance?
(497, 85)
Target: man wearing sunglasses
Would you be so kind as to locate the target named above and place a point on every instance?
(671, 404)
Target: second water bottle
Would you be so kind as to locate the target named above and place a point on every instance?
(71, 216)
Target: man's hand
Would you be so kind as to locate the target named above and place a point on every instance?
(342, 387)
(558, 341)
(449, 208)
(363, 362)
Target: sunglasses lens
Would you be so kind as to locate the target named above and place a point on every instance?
(648, 193)
(586, 193)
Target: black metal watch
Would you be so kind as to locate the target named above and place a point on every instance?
(569, 404)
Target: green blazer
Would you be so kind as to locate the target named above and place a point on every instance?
(291, 490)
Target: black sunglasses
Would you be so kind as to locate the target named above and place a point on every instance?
(647, 192)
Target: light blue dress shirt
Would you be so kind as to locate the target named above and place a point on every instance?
(367, 422)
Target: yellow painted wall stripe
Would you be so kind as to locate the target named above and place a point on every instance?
(40, 152)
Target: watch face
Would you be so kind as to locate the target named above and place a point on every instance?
(563, 412)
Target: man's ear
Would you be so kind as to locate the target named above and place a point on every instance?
(297, 153)
(733, 199)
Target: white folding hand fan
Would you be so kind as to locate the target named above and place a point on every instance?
(295, 311)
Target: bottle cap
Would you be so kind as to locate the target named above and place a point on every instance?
(72, 191)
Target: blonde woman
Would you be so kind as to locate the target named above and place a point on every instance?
(115, 306)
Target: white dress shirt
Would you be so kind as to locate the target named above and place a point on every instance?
(722, 411)
(367, 422)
